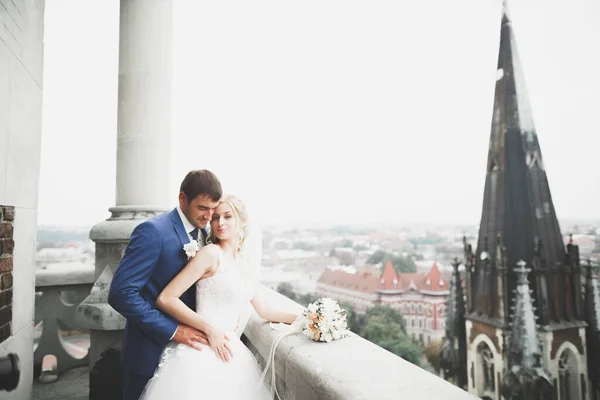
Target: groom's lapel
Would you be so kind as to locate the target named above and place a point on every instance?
(179, 228)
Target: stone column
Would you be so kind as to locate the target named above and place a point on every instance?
(143, 172)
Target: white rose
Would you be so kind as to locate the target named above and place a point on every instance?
(329, 305)
(326, 337)
(191, 248)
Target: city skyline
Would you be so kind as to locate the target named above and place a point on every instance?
(344, 129)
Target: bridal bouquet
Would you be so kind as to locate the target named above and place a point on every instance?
(322, 321)
(325, 320)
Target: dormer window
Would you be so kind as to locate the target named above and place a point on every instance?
(441, 282)
(395, 281)
(428, 283)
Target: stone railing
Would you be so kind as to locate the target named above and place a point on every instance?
(59, 289)
(349, 369)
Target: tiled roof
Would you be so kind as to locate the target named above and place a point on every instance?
(389, 280)
(359, 282)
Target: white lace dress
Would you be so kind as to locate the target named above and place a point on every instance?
(186, 373)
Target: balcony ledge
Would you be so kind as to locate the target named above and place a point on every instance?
(349, 369)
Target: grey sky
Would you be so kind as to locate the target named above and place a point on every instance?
(329, 111)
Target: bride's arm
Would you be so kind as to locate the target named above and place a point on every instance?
(269, 313)
(168, 300)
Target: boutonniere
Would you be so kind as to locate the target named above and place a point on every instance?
(191, 248)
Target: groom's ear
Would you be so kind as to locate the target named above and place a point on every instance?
(182, 199)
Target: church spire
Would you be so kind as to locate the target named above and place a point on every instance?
(592, 297)
(524, 374)
(592, 312)
(524, 346)
(517, 204)
(453, 352)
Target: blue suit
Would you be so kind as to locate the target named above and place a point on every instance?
(152, 259)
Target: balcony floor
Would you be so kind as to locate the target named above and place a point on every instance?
(72, 385)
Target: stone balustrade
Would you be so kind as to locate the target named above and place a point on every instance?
(348, 369)
(59, 289)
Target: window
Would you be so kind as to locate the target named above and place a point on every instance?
(487, 366)
(441, 309)
(568, 376)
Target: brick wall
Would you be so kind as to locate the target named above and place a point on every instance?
(7, 244)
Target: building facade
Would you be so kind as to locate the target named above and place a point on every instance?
(421, 298)
(21, 92)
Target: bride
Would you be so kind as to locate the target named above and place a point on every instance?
(225, 284)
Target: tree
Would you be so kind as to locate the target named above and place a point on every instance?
(388, 314)
(404, 348)
(286, 289)
(354, 320)
(377, 257)
(432, 354)
(385, 327)
(347, 243)
(391, 336)
(402, 264)
(346, 258)
(306, 299)
(379, 330)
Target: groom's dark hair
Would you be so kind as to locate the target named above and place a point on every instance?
(201, 182)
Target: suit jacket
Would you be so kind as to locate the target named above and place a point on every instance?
(152, 259)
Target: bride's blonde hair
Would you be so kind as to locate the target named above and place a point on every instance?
(241, 215)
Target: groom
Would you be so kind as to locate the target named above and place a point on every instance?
(152, 259)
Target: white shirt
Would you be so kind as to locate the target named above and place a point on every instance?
(187, 226)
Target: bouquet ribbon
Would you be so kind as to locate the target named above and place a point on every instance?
(296, 327)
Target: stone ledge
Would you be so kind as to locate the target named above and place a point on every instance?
(65, 274)
(348, 369)
(124, 219)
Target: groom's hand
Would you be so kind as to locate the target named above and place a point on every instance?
(190, 336)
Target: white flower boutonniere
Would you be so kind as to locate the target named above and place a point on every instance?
(191, 248)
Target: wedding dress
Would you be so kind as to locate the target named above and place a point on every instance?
(185, 373)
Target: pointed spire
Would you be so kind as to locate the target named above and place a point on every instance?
(592, 312)
(592, 297)
(389, 278)
(453, 352)
(505, 14)
(524, 344)
(517, 203)
(524, 375)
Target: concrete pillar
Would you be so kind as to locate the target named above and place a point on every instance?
(143, 172)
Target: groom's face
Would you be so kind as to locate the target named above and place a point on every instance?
(199, 211)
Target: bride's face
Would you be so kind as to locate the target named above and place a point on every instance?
(224, 223)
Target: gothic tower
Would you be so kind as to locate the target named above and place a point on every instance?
(453, 355)
(520, 245)
(592, 312)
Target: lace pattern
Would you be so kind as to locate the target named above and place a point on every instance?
(221, 298)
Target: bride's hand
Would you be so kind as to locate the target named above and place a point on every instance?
(218, 340)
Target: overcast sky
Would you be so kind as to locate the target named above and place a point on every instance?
(328, 111)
